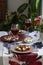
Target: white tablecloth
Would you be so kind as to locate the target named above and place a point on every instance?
(4, 51)
(6, 59)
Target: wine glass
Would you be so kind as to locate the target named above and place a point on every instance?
(14, 29)
(27, 24)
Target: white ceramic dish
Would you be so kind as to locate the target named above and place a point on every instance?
(15, 51)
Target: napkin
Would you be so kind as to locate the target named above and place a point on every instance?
(26, 57)
(13, 63)
(38, 45)
(35, 34)
(3, 33)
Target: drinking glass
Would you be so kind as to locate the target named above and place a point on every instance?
(27, 24)
(14, 29)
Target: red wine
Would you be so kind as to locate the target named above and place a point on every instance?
(15, 31)
(27, 25)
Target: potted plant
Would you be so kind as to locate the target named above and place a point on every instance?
(32, 6)
(14, 18)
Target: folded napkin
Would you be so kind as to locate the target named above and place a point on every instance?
(38, 45)
(13, 63)
(29, 59)
(3, 33)
(35, 34)
(35, 63)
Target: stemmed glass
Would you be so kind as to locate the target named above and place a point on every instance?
(14, 29)
(27, 24)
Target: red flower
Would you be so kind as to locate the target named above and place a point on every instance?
(37, 21)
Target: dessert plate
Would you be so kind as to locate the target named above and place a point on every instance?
(21, 49)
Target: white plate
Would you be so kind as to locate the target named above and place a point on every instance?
(23, 31)
(28, 39)
(28, 51)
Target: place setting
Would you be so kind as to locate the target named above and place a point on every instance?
(13, 34)
(21, 49)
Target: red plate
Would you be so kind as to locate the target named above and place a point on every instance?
(8, 38)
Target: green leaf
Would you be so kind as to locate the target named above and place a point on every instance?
(37, 3)
(23, 17)
(33, 5)
(22, 7)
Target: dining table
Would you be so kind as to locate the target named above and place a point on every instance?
(5, 56)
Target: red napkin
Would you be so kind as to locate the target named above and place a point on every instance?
(13, 63)
(35, 63)
(27, 57)
(22, 57)
(30, 59)
(11, 60)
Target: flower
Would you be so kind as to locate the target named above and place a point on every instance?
(37, 21)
